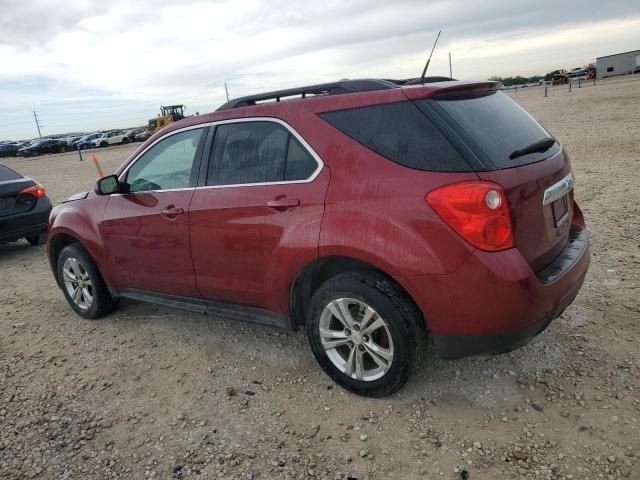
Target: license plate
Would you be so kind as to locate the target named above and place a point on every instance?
(560, 209)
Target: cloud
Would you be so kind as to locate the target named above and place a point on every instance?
(123, 58)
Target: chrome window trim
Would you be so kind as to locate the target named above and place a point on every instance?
(292, 131)
(558, 189)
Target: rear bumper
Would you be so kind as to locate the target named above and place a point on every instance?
(26, 224)
(451, 347)
(495, 302)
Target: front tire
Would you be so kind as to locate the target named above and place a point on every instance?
(82, 284)
(365, 333)
(125, 140)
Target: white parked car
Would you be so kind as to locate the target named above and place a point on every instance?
(110, 138)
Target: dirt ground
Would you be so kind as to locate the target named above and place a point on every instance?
(143, 392)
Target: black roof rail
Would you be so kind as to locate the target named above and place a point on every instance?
(420, 80)
(334, 88)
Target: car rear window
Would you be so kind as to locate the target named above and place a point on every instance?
(6, 174)
(497, 126)
(401, 133)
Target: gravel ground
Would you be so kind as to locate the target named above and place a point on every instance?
(150, 392)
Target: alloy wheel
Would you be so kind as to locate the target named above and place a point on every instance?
(78, 283)
(356, 339)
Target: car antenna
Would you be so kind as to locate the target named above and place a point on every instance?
(424, 72)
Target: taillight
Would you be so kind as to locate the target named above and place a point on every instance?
(478, 211)
(37, 191)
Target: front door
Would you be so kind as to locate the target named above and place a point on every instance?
(146, 231)
(258, 217)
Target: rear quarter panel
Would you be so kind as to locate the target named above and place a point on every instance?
(376, 210)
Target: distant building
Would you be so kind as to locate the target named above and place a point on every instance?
(618, 64)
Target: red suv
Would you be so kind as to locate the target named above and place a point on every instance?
(370, 212)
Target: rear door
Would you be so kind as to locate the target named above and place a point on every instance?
(146, 231)
(499, 132)
(256, 219)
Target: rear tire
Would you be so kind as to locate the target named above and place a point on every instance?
(37, 240)
(82, 284)
(380, 349)
(125, 140)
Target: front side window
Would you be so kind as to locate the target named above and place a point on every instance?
(167, 165)
(257, 152)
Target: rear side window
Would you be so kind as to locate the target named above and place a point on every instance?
(497, 126)
(300, 163)
(257, 152)
(6, 174)
(401, 133)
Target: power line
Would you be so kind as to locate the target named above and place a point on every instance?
(35, 117)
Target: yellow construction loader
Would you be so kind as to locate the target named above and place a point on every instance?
(168, 114)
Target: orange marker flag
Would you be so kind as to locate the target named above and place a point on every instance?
(95, 162)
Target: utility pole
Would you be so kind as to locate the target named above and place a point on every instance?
(35, 117)
(226, 90)
(450, 71)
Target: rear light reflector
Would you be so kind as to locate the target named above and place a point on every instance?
(478, 211)
(37, 191)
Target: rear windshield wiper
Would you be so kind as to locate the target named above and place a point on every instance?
(539, 146)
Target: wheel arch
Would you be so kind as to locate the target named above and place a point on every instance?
(58, 241)
(322, 269)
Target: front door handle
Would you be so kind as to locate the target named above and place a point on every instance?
(172, 212)
(283, 203)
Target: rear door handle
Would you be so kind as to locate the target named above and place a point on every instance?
(283, 203)
(172, 212)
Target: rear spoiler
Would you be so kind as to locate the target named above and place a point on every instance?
(451, 90)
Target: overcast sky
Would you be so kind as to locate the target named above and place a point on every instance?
(87, 64)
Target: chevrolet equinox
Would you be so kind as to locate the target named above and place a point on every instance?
(372, 213)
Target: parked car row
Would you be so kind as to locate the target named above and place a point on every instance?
(45, 145)
(32, 147)
(39, 146)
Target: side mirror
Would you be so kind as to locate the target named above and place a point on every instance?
(107, 185)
